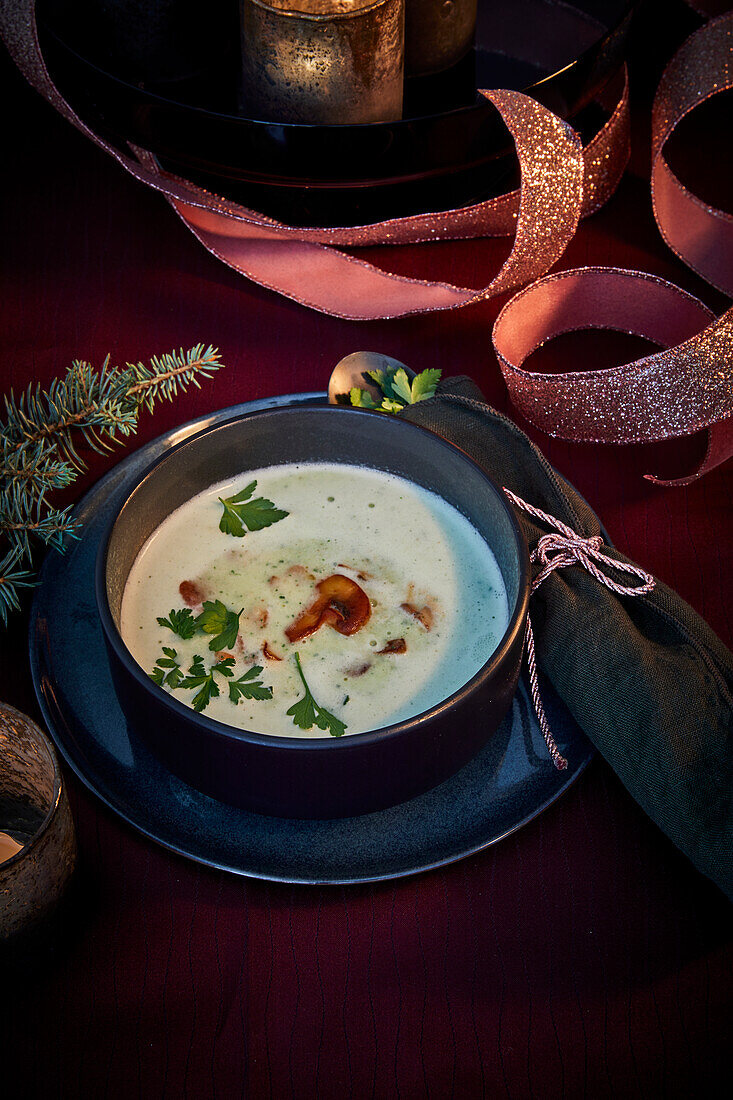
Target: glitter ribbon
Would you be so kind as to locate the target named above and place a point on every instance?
(689, 385)
(304, 264)
(685, 388)
(699, 235)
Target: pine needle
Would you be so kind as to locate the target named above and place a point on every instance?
(11, 581)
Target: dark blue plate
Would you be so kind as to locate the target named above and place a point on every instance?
(510, 782)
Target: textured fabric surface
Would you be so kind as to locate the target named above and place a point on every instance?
(646, 678)
(583, 956)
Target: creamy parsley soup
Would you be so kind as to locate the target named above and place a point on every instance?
(389, 596)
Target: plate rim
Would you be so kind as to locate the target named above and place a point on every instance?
(99, 787)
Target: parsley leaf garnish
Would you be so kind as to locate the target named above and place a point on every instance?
(397, 389)
(240, 512)
(168, 671)
(215, 619)
(160, 676)
(385, 380)
(198, 677)
(180, 622)
(389, 405)
(361, 399)
(306, 712)
(424, 385)
(401, 386)
(247, 687)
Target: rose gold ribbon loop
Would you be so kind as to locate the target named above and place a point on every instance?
(674, 392)
(688, 386)
(604, 160)
(700, 235)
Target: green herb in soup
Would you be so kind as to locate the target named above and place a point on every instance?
(167, 673)
(215, 619)
(240, 512)
(180, 622)
(167, 670)
(306, 713)
(199, 678)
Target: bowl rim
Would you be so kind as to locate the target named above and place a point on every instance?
(225, 732)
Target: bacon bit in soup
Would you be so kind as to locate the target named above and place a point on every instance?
(341, 603)
(190, 592)
(361, 573)
(222, 654)
(299, 571)
(394, 645)
(258, 615)
(423, 615)
(359, 670)
(268, 653)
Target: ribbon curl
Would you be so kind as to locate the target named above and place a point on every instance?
(689, 385)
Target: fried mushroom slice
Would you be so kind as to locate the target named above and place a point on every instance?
(340, 603)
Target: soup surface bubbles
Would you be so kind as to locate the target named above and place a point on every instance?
(437, 601)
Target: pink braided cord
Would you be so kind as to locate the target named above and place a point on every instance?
(556, 550)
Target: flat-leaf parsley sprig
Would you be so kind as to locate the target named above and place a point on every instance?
(306, 712)
(198, 677)
(167, 672)
(397, 389)
(242, 511)
(248, 687)
(214, 619)
(180, 622)
(167, 669)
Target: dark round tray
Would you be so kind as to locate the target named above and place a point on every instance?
(176, 94)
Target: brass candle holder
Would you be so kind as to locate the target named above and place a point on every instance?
(39, 841)
(322, 61)
(438, 33)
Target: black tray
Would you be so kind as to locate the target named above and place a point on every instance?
(178, 97)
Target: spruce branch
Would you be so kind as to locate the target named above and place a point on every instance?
(24, 517)
(102, 405)
(44, 430)
(11, 581)
(169, 373)
(35, 464)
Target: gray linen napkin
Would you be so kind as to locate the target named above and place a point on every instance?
(646, 678)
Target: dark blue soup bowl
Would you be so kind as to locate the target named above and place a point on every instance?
(322, 777)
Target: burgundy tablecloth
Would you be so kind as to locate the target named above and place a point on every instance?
(583, 956)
